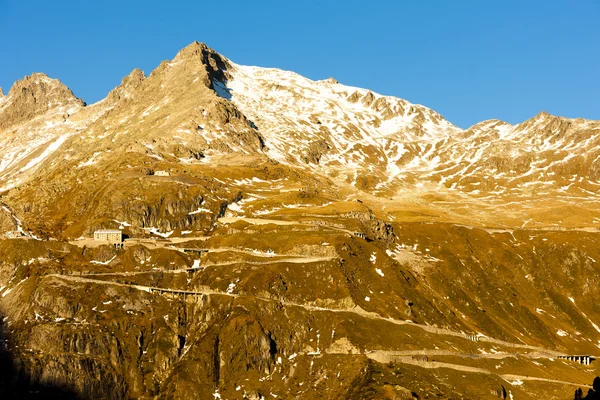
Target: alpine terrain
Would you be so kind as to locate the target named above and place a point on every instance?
(219, 231)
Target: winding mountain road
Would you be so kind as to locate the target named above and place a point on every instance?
(382, 356)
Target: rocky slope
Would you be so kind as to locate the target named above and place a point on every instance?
(290, 238)
(387, 146)
(386, 138)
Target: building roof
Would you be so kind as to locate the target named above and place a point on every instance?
(107, 231)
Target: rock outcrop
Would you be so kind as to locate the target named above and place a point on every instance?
(35, 95)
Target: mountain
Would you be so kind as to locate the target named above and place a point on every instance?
(291, 238)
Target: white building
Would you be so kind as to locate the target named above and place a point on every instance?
(109, 235)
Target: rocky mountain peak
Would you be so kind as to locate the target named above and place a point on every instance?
(216, 65)
(128, 85)
(35, 95)
(192, 49)
(197, 50)
(36, 82)
(488, 124)
(1, 92)
(543, 121)
(543, 115)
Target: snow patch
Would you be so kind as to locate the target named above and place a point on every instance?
(158, 233)
(230, 288)
(103, 262)
(49, 150)
(200, 210)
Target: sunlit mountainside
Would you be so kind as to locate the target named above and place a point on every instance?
(290, 238)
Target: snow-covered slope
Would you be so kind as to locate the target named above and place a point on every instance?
(332, 125)
(34, 122)
(37, 116)
(383, 144)
(201, 104)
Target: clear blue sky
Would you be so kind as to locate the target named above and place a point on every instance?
(470, 60)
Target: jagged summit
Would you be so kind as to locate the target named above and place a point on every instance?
(543, 114)
(194, 49)
(214, 64)
(379, 144)
(37, 81)
(35, 95)
(543, 120)
(200, 52)
(488, 123)
(128, 85)
(330, 80)
(540, 118)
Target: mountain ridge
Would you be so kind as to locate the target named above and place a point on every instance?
(201, 106)
(289, 238)
(196, 47)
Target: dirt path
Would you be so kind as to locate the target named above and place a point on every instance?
(382, 358)
(188, 239)
(509, 377)
(439, 331)
(392, 355)
(148, 289)
(295, 260)
(355, 310)
(150, 242)
(257, 221)
(250, 252)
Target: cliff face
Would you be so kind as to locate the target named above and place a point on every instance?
(34, 96)
(108, 323)
(290, 238)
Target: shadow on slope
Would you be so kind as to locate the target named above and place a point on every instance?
(592, 394)
(16, 383)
